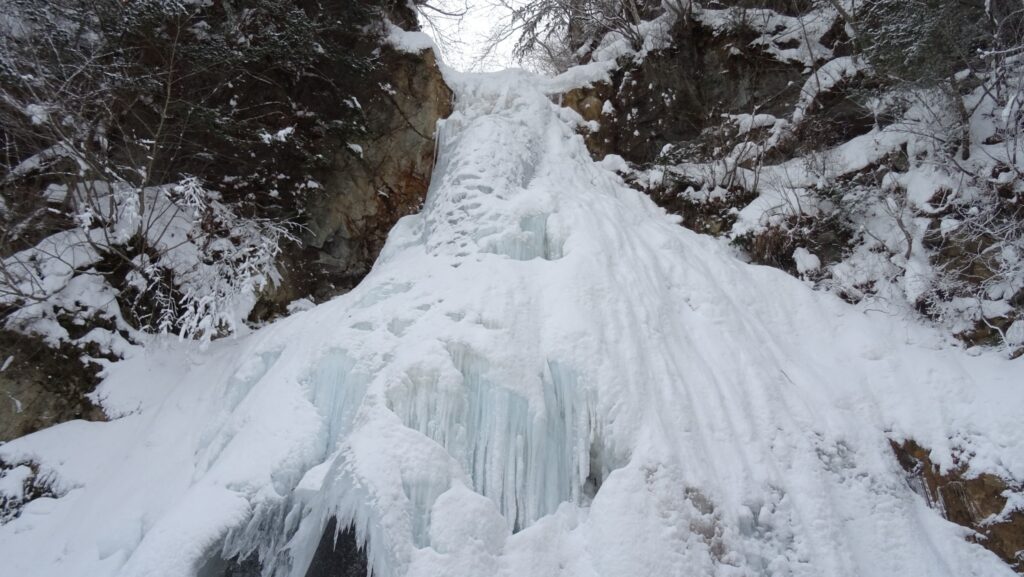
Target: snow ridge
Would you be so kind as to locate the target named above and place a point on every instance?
(543, 375)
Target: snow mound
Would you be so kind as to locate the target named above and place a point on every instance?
(543, 375)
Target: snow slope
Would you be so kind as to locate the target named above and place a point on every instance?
(543, 375)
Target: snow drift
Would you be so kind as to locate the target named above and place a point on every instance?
(543, 375)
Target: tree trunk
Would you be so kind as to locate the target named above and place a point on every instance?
(576, 30)
(965, 118)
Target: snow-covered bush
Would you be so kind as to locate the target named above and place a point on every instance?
(922, 41)
(206, 283)
(153, 152)
(896, 175)
(558, 34)
(196, 274)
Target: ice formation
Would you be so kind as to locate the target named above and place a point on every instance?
(543, 375)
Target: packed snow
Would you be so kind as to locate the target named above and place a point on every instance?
(544, 374)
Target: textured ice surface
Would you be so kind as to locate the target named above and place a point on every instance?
(543, 375)
(527, 461)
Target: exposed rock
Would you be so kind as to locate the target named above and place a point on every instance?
(713, 215)
(971, 260)
(826, 238)
(42, 386)
(589, 102)
(987, 332)
(966, 255)
(976, 502)
(693, 105)
(676, 93)
(368, 186)
(365, 184)
(838, 115)
(678, 96)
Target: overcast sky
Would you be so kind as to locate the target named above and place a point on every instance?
(464, 41)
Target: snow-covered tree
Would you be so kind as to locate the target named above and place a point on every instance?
(150, 126)
(560, 33)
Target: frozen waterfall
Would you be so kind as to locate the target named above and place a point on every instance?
(543, 375)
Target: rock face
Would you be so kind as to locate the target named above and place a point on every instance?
(742, 94)
(674, 94)
(678, 95)
(363, 186)
(974, 502)
(370, 187)
(42, 386)
(368, 184)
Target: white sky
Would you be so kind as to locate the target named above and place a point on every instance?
(463, 42)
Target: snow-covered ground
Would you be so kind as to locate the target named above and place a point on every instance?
(543, 375)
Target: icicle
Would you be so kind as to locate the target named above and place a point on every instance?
(526, 459)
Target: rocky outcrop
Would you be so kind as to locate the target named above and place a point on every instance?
(367, 184)
(346, 194)
(370, 187)
(767, 96)
(976, 502)
(41, 386)
(679, 95)
(675, 94)
(683, 95)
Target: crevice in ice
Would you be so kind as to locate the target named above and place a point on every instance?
(336, 389)
(332, 493)
(263, 537)
(287, 522)
(254, 547)
(217, 566)
(421, 496)
(338, 554)
(527, 459)
(595, 476)
(333, 496)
